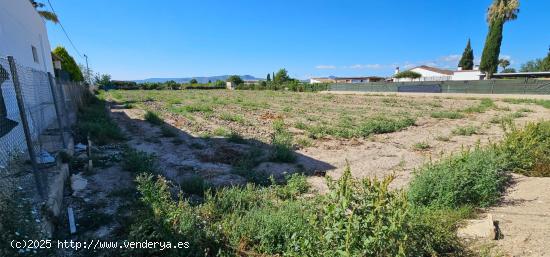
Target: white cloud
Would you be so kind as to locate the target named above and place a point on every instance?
(366, 66)
(325, 67)
(451, 58)
(507, 57)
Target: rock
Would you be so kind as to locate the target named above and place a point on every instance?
(486, 228)
(78, 183)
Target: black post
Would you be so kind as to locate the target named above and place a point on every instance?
(25, 123)
(57, 111)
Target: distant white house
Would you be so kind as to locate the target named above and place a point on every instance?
(24, 36)
(436, 74)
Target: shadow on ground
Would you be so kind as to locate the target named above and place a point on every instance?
(221, 161)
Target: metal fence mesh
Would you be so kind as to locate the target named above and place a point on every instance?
(507, 86)
(50, 108)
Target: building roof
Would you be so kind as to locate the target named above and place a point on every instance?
(437, 70)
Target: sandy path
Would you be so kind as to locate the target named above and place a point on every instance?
(524, 219)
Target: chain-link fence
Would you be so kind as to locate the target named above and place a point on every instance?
(36, 112)
(504, 86)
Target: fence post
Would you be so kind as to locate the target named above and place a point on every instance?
(57, 111)
(25, 124)
(63, 100)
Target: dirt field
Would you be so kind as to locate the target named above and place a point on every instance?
(205, 116)
(325, 138)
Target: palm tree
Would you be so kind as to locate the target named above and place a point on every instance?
(500, 12)
(47, 15)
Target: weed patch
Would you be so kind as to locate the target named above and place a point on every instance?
(466, 131)
(447, 115)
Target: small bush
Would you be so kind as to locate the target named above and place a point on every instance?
(282, 143)
(94, 120)
(232, 117)
(296, 185)
(528, 150)
(193, 184)
(138, 161)
(483, 106)
(447, 115)
(465, 131)
(421, 146)
(153, 118)
(475, 178)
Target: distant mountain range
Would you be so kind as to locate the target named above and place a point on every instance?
(199, 79)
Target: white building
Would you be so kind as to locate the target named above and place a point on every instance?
(24, 36)
(436, 74)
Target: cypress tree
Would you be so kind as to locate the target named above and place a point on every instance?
(491, 52)
(268, 77)
(467, 61)
(499, 13)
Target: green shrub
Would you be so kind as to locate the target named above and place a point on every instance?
(421, 146)
(232, 117)
(282, 143)
(366, 218)
(475, 178)
(138, 161)
(94, 120)
(543, 103)
(167, 221)
(483, 106)
(193, 184)
(447, 115)
(153, 118)
(528, 150)
(465, 131)
(382, 125)
(296, 185)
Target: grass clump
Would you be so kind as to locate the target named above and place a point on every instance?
(375, 125)
(447, 115)
(193, 184)
(443, 138)
(94, 120)
(474, 178)
(356, 218)
(483, 106)
(282, 143)
(153, 118)
(138, 161)
(528, 150)
(232, 117)
(466, 131)
(543, 103)
(421, 146)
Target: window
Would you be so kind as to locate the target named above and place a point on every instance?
(35, 54)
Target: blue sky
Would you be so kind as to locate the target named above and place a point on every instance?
(182, 38)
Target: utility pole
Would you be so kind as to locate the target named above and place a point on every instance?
(88, 70)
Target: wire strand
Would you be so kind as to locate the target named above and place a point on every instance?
(65, 31)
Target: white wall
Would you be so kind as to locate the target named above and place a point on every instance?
(467, 75)
(20, 28)
(427, 75)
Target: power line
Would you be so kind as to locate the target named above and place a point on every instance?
(65, 32)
